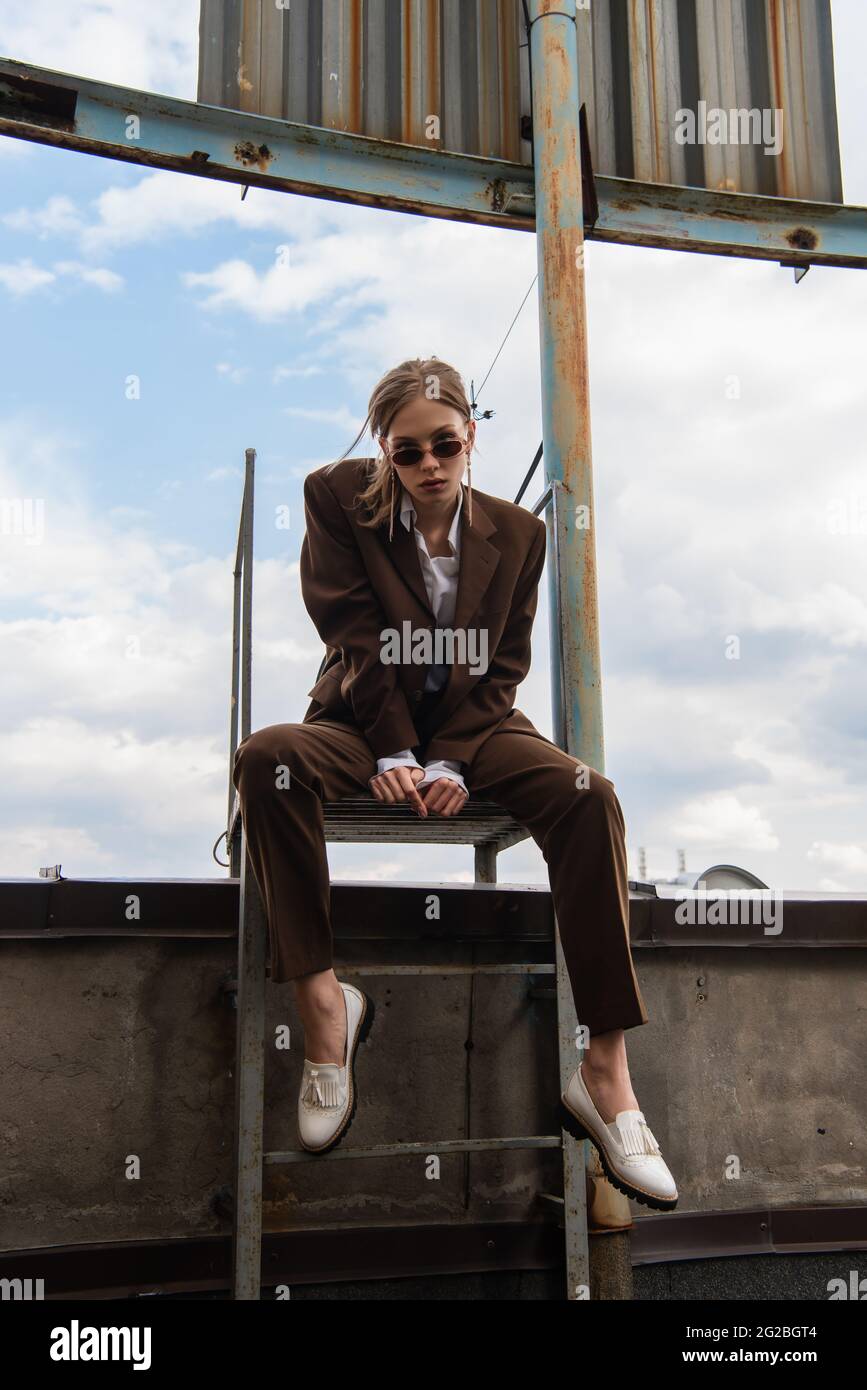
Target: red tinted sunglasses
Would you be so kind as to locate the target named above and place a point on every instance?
(409, 454)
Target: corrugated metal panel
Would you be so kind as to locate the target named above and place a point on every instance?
(385, 68)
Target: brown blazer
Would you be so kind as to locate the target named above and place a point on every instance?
(356, 583)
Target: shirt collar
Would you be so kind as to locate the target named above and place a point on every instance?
(407, 510)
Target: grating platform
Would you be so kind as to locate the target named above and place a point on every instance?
(365, 820)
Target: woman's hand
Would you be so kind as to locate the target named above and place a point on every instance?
(398, 784)
(445, 797)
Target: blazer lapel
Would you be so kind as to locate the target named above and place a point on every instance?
(479, 560)
(402, 550)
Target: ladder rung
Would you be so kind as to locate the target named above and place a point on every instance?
(439, 1146)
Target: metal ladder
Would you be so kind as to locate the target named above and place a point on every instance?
(482, 824)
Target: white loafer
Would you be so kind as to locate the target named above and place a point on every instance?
(327, 1099)
(627, 1149)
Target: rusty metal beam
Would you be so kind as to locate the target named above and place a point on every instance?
(72, 112)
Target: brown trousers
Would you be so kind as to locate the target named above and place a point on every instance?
(580, 831)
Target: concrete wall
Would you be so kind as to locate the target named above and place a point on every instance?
(752, 1062)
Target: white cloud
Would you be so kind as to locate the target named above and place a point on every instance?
(723, 819)
(234, 374)
(850, 859)
(25, 849)
(343, 419)
(163, 205)
(219, 475)
(831, 612)
(169, 779)
(378, 871)
(153, 47)
(10, 148)
(24, 277)
(287, 373)
(115, 692)
(58, 217)
(107, 280)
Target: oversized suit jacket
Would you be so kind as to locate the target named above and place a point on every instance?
(356, 583)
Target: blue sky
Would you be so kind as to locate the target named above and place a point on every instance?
(712, 512)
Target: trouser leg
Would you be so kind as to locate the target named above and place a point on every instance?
(582, 835)
(283, 773)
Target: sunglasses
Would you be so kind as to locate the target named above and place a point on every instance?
(409, 454)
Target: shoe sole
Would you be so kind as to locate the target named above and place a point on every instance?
(574, 1126)
(364, 1027)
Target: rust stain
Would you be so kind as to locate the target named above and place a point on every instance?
(431, 22)
(776, 55)
(654, 96)
(356, 50)
(249, 154)
(802, 239)
(408, 75)
(496, 193)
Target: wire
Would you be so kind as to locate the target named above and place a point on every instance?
(473, 395)
(526, 483)
(534, 465)
(505, 340)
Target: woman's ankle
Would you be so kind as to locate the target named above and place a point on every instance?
(609, 1069)
(328, 1048)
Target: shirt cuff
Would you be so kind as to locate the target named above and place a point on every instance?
(443, 767)
(404, 759)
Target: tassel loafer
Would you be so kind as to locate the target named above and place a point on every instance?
(328, 1097)
(629, 1154)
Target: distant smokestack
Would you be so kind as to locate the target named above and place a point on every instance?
(642, 864)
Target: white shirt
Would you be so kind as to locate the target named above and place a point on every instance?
(440, 573)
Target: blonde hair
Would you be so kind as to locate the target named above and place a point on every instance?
(422, 376)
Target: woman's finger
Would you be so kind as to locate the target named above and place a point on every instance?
(407, 783)
(436, 793)
(384, 783)
(445, 796)
(454, 803)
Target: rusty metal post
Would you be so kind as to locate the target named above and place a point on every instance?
(577, 694)
(252, 936)
(249, 1089)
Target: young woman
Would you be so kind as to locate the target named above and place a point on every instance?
(424, 593)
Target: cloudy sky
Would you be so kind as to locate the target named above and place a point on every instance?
(717, 516)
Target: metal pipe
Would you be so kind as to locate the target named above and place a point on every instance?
(576, 680)
(247, 566)
(249, 1090)
(236, 658)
